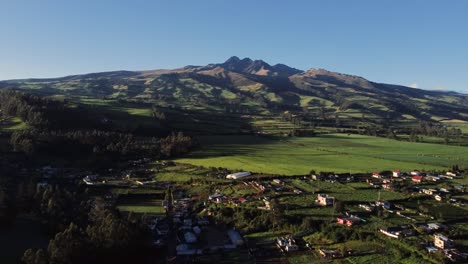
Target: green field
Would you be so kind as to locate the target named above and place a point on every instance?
(141, 204)
(11, 124)
(331, 152)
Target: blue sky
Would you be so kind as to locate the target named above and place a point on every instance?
(411, 42)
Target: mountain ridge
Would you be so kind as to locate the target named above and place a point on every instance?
(255, 86)
(252, 67)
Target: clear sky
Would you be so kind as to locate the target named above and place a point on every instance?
(422, 43)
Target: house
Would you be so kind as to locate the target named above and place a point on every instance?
(442, 242)
(287, 243)
(367, 207)
(387, 186)
(318, 177)
(397, 231)
(417, 179)
(324, 199)
(433, 178)
(385, 204)
(376, 175)
(396, 173)
(347, 221)
(216, 198)
(430, 191)
(451, 173)
(278, 181)
(416, 173)
(432, 249)
(456, 256)
(238, 175)
(90, 179)
(330, 253)
(297, 191)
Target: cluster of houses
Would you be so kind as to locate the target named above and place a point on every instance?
(191, 229)
(439, 243)
(160, 229)
(219, 198)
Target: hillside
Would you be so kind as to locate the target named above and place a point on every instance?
(259, 92)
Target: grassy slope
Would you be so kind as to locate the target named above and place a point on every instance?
(12, 124)
(334, 152)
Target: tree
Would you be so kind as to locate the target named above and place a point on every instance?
(339, 206)
(68, 246)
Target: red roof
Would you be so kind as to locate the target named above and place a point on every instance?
(375, 173)
(242, 200)
(417, 177)
(396, 171)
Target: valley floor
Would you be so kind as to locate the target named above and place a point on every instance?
(339, 153)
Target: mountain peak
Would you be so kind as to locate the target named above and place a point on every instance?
(233, 59)
(257, 67)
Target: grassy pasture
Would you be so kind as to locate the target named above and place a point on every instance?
(142, 205)
(331, 152)
(11, 124)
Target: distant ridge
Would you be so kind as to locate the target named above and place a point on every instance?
(258, 87)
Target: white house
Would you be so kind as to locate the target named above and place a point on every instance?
(238, 175)
(397, 173)
(442, 242)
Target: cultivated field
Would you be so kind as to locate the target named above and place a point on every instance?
(332, 152)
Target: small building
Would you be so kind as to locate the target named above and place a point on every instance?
(325, 200)
(430, 191)
(442, 242)
(376, 175)
(330, 253)
(216, 198)
(417, 179)
(319, 177)
(287, 244)
(451, 173)
(387, 186)
(90, 179)
(433, 178)
(416, 173)
(397, 231)
(396, 173)
(242, 200)
(297, 191)
(366, 207)
(278, 181)
(238, 175)
(347, 221)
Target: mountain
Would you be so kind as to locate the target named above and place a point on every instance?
(254, 88)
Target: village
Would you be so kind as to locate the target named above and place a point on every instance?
(187, 216)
